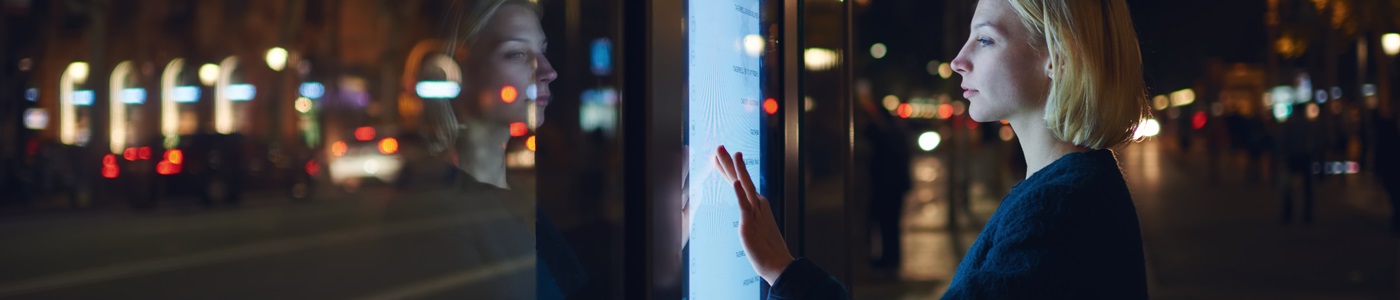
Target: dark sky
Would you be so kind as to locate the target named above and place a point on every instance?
(1177, 37)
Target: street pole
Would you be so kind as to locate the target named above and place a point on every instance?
(1390, 45)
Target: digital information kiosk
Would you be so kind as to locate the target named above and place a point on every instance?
(725, 74)
(725, 107)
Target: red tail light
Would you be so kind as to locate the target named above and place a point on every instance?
(1198, 120)
(109, 166)
(312, 168)
(143, 153)
(171, 165)
(129, 154)
(364, 133)
(165, 167)
(518, 129)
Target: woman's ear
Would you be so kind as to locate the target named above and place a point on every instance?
(1049, 68)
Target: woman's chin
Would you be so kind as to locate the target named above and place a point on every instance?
(979, 115)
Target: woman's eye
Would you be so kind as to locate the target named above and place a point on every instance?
(984, 41)
(515, 55)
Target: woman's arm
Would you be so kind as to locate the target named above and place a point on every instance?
(767, 252)
(804, 280)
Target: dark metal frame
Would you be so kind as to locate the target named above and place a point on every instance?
(653, 112)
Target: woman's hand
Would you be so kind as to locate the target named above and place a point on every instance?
(759, 233)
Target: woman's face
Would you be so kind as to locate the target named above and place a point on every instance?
(507, 70)
(1004, 76)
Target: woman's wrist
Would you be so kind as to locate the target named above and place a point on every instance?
(772, 272)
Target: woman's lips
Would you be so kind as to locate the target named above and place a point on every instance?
(968, 93)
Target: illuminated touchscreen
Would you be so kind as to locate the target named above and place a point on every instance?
(725, 92)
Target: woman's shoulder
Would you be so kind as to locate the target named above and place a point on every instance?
(1092, 170)
(1082, 180)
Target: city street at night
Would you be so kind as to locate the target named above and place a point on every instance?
(376, 243)
(700, 150)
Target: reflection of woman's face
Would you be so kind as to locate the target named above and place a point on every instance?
(508, 60)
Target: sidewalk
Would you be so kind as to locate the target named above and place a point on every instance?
(1223, 240)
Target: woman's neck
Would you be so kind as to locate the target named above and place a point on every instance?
(481, 150)
(1040, 146)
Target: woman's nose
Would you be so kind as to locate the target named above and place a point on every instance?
(961, 65)
(544, 71)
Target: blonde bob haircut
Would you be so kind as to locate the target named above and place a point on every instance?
(1097, 96)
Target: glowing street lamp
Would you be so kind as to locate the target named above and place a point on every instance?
(929, 140)
(78, 72)
(1390, 42)
(209, 74)
(878, 50)
(277, 58)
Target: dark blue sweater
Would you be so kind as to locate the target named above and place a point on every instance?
(1070, 231)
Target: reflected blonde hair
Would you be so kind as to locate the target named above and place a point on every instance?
(474, 17)
(1097, 96)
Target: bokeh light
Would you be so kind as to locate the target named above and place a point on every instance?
(878, 50)
(929, 140)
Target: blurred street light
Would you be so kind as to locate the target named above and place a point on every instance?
(753, 45)
(1282, 95)
(209, 74)
(929, 140)
(303, 105)
(945, 70)
(1160, 102)
(891, 102)
(1147, 128)
(312, 90)
(1391, 43)
(78, 72)
(1282, 111)
(904, 111)
(277, 58)
(1183, 97)
(878, 50)
(820, 59)
(438, 89)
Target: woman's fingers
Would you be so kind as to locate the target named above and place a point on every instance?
(744, 205)
(741, 170)
(726, 164)
(718, 165)
(737, 173)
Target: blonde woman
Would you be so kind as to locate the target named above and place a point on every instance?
(1067, 75)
